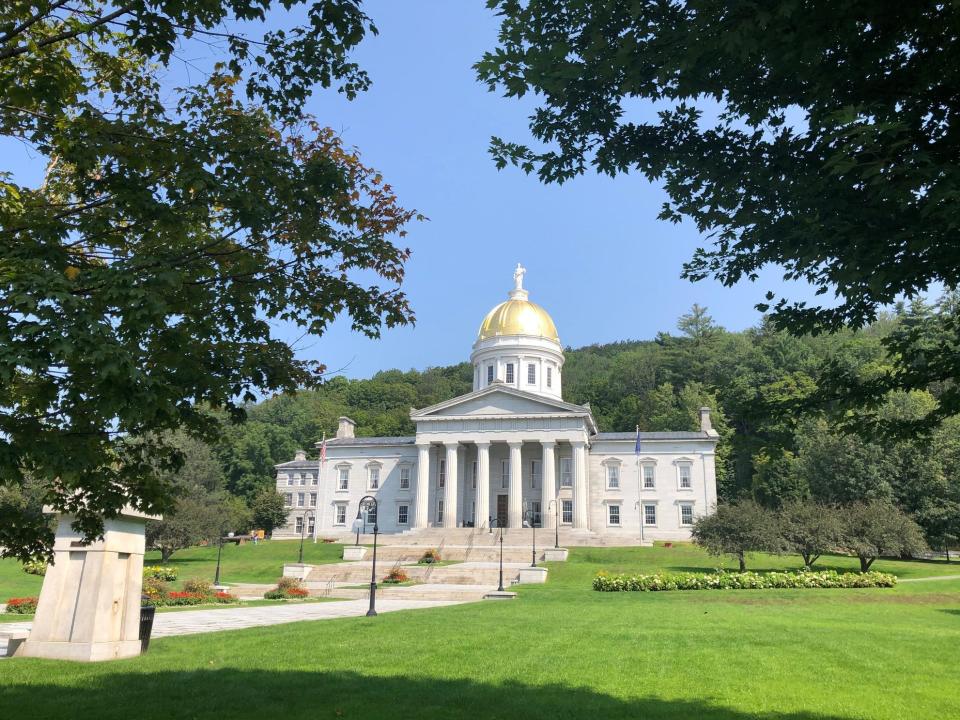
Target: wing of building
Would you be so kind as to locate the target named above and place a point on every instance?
(508, 454)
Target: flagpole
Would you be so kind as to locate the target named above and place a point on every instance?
(636, 451)
(316, 510)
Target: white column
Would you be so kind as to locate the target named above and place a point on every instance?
(423, 486)
(549, 484)
(463, 498)
(483, 484)
(515, 497)
(580, 503)
(450, 496)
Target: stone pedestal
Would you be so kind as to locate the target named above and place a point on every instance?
(555, 554)
(530, 575)
(500, 595)
(89, 607)
(296, 570)
(354, 552)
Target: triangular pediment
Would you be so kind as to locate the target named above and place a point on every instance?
(496, 401)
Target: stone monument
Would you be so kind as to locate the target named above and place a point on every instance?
(89, 607)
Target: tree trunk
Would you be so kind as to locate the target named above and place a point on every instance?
(806, 559)
(865, 563)
(743, 563)
(165, 554)
(946, 549)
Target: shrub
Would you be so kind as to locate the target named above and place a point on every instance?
(429, 557)
(605, 582)
(35, 567)
(198, 586)
(736, 529)
(287, 588)
(397, 575)
(160, 572)
(155, 590)
(22, 606)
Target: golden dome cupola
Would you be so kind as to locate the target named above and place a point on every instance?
(518, 345)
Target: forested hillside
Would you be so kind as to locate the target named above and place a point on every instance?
(777, 441)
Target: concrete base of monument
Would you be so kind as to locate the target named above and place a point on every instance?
(79, 651)
(297, 570)
(529, 575)
(555, 554)
(354, 552)
(500, 595)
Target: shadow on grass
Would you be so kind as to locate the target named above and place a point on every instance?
(951, 611)
(232, 693)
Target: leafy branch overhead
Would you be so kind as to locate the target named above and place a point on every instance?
(138, 278)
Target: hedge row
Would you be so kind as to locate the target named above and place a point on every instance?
(605, 582)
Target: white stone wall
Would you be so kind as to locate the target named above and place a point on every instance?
(667, 495)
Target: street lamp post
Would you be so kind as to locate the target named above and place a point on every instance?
(216, 575)
(556, 522)
(303, 529)
(500, 588)
(533, 526)
(367, 502)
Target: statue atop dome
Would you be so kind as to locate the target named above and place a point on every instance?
(518, 277)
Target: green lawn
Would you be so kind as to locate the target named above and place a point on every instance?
(261, 563)
(558, 651)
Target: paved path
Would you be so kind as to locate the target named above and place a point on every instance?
(191, 622)
(931, 577)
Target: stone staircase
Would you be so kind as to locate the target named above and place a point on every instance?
(476, 539)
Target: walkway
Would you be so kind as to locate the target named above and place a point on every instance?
(191, 622)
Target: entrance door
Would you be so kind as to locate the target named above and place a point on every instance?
(501, 511)
(537, 519)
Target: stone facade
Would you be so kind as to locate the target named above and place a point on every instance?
(509, 453)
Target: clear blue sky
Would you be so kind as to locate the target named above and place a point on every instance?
(597, 258)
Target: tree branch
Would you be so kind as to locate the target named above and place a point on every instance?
(66, 35)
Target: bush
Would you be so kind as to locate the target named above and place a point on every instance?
(429, 557)
(287, 589)
(199, 587)
(604, 582)
(35, 567)
(160, 572)
(22, 606)
(397, 575)
(155, 590)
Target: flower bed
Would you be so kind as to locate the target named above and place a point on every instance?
(287, 589)
(160, 572)
(175, 597)
(605, 582)
(397, 575)
(22, 606)
(429, 557)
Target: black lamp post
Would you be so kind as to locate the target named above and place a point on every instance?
(367, 502)
(216, 575)
(303, 530)
(533, 526)
(556, 522)
(500, 588)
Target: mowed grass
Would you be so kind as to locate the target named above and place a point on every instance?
(249, 563)
(558, 651)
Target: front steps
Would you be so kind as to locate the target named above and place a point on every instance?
(477, 538)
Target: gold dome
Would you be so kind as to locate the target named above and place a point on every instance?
(518, 317)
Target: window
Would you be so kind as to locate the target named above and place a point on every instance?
(535, 473)
(685, 483)
(303, 479)
(509, 377)
(649, 514)
(299, 529)
(439, 511)
(311, 524)
(489, 374)
(442, 473)
(290, 480)
(373, 477)
(344, 478)
(504, 474)
(566, 511)
(531, 374)
(473, 474)
(288, 499)
(403, 514)
(404, 478)
(537, 518)
(549, 376)
(372, 515)
(648, 477)
(613, 515)
(300, 499)
(566, 472)
(313, 499)
(313, 479)
(613, 477)
(341, 516)
(686, 514)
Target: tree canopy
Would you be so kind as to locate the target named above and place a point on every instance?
(816, 136)
(138, 277)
